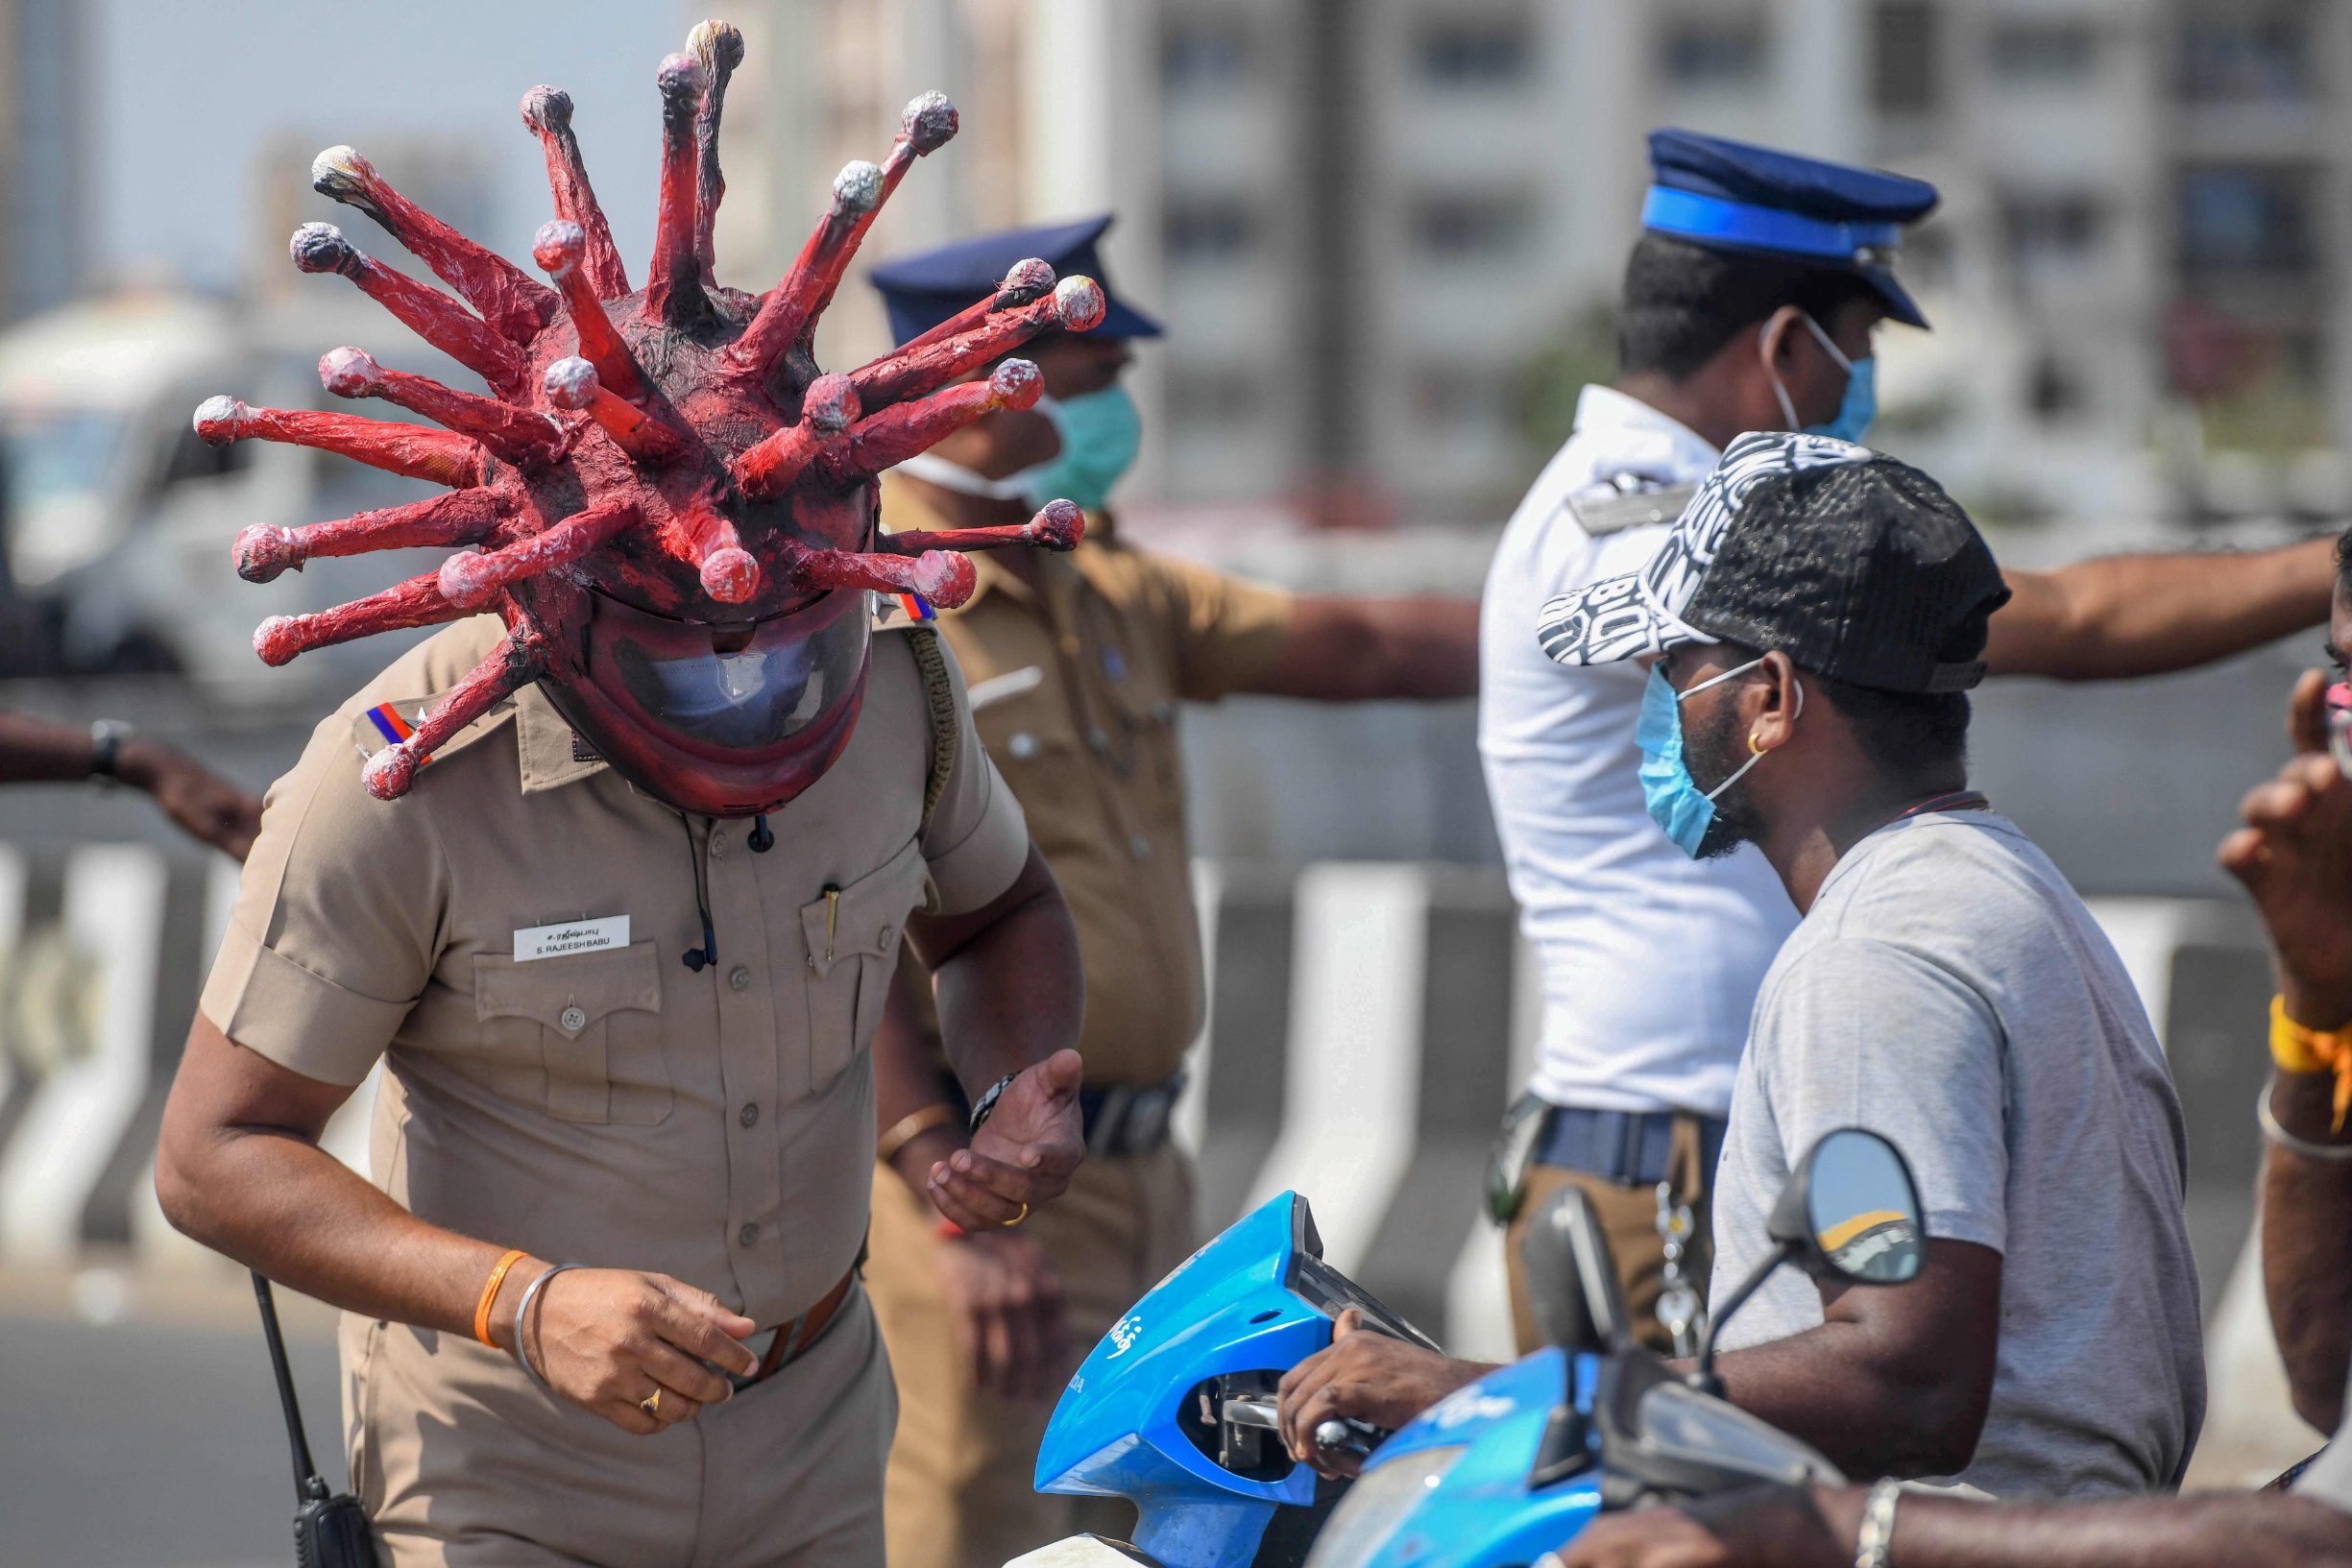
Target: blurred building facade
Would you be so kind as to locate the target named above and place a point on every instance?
(1365, 220)
(44, 166)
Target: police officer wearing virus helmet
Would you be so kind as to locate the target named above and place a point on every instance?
(1750, 302)
(611, 885)
(1077, 664)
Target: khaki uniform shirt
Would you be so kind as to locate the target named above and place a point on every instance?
(607, 1107)
(1075, 692)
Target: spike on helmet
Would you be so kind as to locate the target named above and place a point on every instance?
(670, 507)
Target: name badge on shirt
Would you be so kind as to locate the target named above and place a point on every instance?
(572, 936)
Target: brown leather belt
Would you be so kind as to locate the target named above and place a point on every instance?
(793, 1340)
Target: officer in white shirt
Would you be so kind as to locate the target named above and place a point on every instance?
(1749, 304)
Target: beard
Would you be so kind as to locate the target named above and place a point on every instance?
(1712, 755)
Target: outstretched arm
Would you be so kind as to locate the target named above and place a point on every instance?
(2147, 614)
(1342, 649)
(42, 751)
(1780, 1528)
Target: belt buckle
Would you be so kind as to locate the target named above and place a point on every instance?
(1148, 1114)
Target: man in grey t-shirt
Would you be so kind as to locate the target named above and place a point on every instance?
(1815, 618)
(1947, 989)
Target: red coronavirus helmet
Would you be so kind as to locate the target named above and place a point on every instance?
(668, 506)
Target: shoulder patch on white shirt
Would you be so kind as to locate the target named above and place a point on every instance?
(1607, 510)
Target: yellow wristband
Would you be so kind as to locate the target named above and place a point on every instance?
(490, 1294)
(911, 1126)
(2303, 1050)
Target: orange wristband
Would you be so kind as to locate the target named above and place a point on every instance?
(490, 1294)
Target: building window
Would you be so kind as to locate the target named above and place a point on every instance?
(1204, 229)
(2052, 231)
(1476, 51)
(2043, 52)
(1206, 54)
(2247, 218)
(1713, 53)
(1456, 228)
(1903, 57)
(2250, 54)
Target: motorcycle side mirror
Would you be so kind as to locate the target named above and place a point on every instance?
(1850, 1213)
(1572, 1277)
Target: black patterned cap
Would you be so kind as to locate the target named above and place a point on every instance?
(1856, 566)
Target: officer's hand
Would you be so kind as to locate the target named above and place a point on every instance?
(1023, 1154)
(1756, 1526)
(1369, 1376)
(204, 803)
(607, 1338)
(1004, 1304)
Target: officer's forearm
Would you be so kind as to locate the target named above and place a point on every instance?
(1008, 990)
(2206, 1532)
(907, 1082)
(239, 1168)
(1343, 649)
(2307, 1249)
(2143, 614)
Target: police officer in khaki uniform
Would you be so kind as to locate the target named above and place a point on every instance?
(603, 1298)
(1077, 664)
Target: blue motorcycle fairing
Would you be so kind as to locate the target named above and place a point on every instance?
(1483, 1510)
(1226, 1309)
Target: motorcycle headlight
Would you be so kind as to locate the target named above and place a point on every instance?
(1382, 1500)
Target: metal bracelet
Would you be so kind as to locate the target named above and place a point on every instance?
(1873, 1542)
(2332, 1153)
(523, 1314)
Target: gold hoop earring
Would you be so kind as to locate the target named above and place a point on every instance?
(1756, 747)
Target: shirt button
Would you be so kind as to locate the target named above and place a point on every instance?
(574, 1020)
(1139, 847)
(883, 937)
(1096, 740)
(718, 843)
(1023, 746)
(738, 977)
(750, 1116)
(746, 1236)
(1163, 710)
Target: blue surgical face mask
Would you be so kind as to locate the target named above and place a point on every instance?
(1856, 410)
(1100, 433)
(1680, 809)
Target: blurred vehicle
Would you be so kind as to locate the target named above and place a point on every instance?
(119, 520)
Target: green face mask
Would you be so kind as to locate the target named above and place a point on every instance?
(1100, 434)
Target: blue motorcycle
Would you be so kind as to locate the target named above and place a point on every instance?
(1176, 1409)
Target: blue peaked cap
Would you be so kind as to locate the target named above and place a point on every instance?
(1732, 196)
(920, 291)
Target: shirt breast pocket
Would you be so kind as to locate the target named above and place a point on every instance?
(852, 938)
(595, 1020)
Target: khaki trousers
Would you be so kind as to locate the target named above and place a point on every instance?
(1628, 1218)
(462, 1462)
(962, 1490)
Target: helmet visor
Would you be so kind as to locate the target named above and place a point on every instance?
(728, 691)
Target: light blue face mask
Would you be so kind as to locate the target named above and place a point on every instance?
(1856, 410)
(1100, 433)
(1680, 809)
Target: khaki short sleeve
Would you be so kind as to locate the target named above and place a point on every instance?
(979, 838)
(1230, 630)
(338, 918)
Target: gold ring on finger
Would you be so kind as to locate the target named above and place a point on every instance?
(1017, 1219)
(651, 1403)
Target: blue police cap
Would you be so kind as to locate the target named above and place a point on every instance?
(1732, 195)
(920, 291)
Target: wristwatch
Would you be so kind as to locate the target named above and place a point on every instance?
(987, 1101)
(107, 737)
